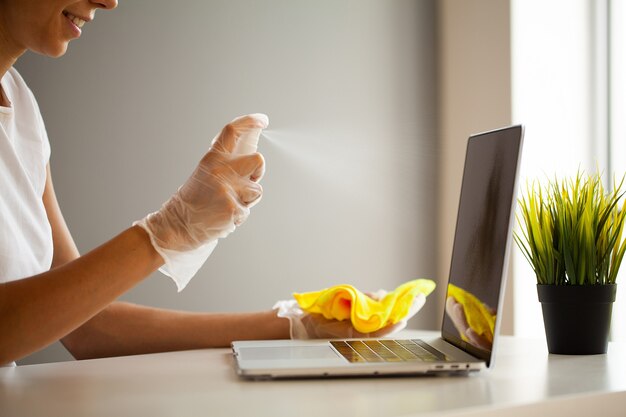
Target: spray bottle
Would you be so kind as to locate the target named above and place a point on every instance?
(249, 139)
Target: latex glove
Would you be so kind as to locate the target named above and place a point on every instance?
(315, 326)
(214, 200)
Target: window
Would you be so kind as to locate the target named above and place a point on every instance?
(617, 130)
(567, 93)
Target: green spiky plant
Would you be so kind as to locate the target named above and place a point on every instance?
(571, 231)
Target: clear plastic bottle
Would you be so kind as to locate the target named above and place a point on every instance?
(249, 139)
(248, 142)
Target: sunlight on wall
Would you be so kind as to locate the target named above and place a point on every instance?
(552, 97)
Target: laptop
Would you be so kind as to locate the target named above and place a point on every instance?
(474, 297)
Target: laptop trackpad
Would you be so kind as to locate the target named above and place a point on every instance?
(287, 352)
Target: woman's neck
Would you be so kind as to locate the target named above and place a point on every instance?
(4, 100)
(9, 54)
(5, 63)
(7, 59)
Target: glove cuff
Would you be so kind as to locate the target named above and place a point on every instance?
(290, 310)
(180, 266)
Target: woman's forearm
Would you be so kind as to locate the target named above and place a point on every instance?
(39, 310)
(128, 329)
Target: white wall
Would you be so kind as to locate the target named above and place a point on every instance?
(350, 189)
(474, 96)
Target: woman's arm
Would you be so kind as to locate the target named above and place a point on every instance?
(39, 310)
(126, 329)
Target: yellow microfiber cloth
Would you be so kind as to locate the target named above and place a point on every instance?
(367, 315)
(478, 316)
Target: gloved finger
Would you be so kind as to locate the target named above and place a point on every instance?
(259, 172)
(418, 303)
(241, 215)
(250, 193)
(226, 140)
(249, 166)
(252, 121)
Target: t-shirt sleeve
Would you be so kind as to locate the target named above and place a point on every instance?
(38, 118)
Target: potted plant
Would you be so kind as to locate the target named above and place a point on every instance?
(571, 234)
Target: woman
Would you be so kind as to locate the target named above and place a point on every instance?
(48, 292)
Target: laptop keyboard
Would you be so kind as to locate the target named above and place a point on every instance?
(414, 350)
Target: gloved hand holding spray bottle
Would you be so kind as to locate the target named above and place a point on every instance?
(215, 199)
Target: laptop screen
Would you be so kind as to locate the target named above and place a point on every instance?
(477, 272)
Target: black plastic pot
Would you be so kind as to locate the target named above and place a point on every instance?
(577, 318)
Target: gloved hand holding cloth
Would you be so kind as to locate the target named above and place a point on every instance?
(343, 311)
(215, 199)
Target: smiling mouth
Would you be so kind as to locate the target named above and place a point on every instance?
(76, 20)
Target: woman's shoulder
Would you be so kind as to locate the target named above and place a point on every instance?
(25, 106)
(14, 81)
(17, 89)
(18, 92)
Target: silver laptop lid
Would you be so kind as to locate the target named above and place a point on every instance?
(482, 240)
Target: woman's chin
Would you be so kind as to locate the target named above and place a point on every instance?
(54, 51)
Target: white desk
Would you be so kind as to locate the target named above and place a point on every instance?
(526, 381)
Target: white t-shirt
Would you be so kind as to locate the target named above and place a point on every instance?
(25, 234)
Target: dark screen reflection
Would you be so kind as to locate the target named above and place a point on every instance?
(480, 242)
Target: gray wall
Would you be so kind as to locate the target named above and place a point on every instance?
(350, 189)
